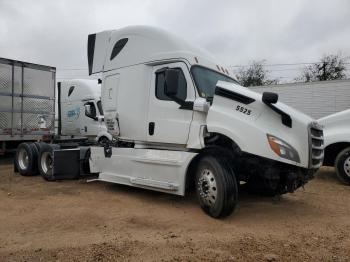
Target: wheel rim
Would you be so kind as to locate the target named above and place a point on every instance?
(46, 163)
(207, 187)
(23, 159)
(347, 166)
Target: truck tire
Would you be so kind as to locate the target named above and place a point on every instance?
(216, 186)
(342, 165)
(38, 145)
(46, 161)
(26, 159)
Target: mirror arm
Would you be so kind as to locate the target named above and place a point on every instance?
(286, 119)
(186, 105)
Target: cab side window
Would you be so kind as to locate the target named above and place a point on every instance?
(160, 86)
(90, 110)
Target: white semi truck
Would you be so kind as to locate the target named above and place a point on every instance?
(80, 110)
(180, 121)
(337, 143)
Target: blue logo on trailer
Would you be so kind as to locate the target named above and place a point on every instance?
(74, 113)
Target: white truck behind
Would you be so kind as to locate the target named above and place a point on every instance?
(180, 121)
(337, 143)
(80, 109)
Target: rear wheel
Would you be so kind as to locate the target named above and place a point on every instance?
(38, 145)
(26, 159)
(46, 161)
(216, 186)
(342, 165)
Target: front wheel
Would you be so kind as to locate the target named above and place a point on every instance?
(216, 186)
(342, 165)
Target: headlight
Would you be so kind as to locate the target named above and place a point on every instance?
(282, 148)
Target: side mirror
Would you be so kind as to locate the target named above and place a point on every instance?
(100, 118)
(171, 82)
(269, 98)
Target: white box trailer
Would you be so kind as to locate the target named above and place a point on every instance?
(28, 111)
(179, 120)
(316, 99)
(27, 107)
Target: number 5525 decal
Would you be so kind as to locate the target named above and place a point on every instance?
(243, 110)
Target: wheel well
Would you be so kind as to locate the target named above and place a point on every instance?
(216, 140)
(331, 152)
(103, 137)
(215, 143)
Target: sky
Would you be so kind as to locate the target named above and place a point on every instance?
(236, 32)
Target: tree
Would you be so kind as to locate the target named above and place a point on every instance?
(255, 75)
(331, 67)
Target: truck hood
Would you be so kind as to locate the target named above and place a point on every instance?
(295, 114)
(241, 115)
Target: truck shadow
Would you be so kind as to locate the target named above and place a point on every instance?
(6, 159)
(249, 203)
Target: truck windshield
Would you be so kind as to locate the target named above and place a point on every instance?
(206, 80)
(99, 105)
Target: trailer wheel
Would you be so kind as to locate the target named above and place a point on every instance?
(342, 165)
(26, 159)
(216, 186)
(46, 161)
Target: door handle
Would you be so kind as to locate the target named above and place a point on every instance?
(151, 126)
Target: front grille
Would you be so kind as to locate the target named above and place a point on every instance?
(316, 145)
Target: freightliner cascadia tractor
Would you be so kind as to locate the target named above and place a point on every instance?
(179, 121)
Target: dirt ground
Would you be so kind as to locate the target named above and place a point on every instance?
(79, 221)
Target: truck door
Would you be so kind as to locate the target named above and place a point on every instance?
(70, 117)
(89, 125)
(110, 103)
(167, 123)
